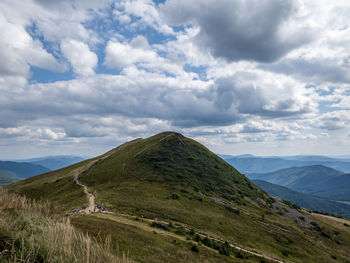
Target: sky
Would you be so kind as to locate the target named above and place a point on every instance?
(246, 76)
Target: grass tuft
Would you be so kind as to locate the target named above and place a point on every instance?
(31, 233)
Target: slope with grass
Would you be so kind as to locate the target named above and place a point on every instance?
(174, 179)
(31, 232)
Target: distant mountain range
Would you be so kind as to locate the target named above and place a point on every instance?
(7, 177)
(310, 202)
(21, 169)
(12, 171)
(55, 162)
(316, 180)
(256, 164)
(310, 181)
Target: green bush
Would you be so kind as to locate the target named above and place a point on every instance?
(160, 226)
(175, 196)
(225, 249)
(194, 248)
(232, 210)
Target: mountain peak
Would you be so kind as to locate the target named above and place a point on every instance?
(174, 161)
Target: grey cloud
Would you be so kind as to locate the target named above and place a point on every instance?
(331, 123)
(78, 130)
(335, 120)
(248, 128)
(225, 102)
(311, 70)
(240, 30)
(247, 98)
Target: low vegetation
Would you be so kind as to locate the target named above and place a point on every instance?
(30, 232)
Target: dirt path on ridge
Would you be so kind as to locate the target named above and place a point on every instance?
(91, 207)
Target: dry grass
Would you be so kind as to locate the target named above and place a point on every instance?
(29, 232)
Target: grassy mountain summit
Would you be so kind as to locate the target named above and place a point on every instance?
(179, 182)
(170, 159)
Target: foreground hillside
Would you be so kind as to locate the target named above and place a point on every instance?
(170, 199)
(31, 232)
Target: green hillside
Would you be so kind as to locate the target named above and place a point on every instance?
(174, 184)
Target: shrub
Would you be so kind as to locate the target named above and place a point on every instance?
(192, 232)
(160, 226)
(175, 196)
(286, 202)
(206, 241)
(232, 210)
(241, 254)
(194, 248)
(197, 238)
(198, 198)
(225, 249)
(180, 231)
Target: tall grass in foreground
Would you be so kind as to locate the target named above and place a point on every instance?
(29, 232)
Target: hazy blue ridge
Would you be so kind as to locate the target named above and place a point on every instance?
(316, 180)
(258, 164)
(55, 162)
(304, 200)
(7, 177)
(23, 170)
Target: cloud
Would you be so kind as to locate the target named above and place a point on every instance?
(334, 120)
(79, 55)
(138, 53)
(48, 134)
(254, 30)
(119, 55)
(316, 71)
(248, 72)
(142, 94)
(20, 51)
(145, 14)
